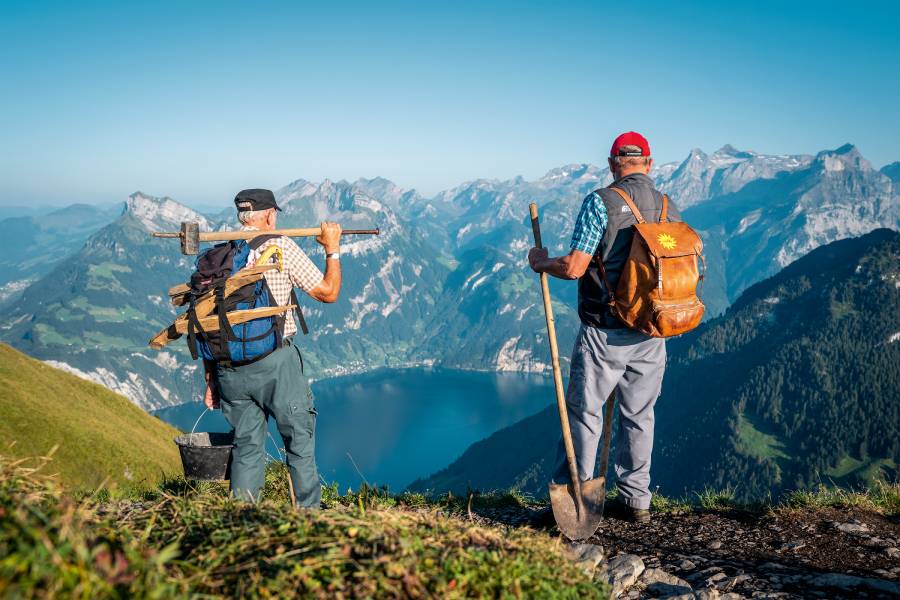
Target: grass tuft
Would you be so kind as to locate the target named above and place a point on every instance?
(881, 497)
(712, 499)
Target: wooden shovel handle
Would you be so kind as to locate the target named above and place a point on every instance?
(557, 372)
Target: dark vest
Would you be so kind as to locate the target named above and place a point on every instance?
(593, 298)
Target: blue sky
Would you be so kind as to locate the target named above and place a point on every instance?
(196, 100)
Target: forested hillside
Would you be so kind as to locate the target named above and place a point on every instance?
(796, 384)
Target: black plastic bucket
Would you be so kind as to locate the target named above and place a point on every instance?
(206, 455)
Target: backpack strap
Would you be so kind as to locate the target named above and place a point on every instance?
(194, 328)
(612, 292)
(664, 215)
(224, 326)
(259, 240)
(631, 204)
(299, 312)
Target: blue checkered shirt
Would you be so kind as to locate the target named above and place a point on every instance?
(590, 225)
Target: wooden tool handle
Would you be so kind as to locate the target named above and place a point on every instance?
(224, 236)
(557, 372)
(535, 225)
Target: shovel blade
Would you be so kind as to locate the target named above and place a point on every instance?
(574, 524)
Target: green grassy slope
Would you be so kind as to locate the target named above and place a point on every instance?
(100, 434)
(184, 540)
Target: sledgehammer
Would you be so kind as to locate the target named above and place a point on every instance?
(191, 236)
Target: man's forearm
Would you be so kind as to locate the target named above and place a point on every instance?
(560, 267)
(332, 277)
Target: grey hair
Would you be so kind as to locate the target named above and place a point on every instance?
(631, 161)
(249, 216)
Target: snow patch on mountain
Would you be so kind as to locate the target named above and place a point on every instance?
(12, 288)
(521, 314)
(519, 245)
(361, 304)
(132, 388)
(157, 214)
(747, 221)
(165, 360)
(471, 277)
(480, 280)
(512, 358)
(395, 298)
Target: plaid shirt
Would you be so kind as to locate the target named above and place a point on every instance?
(590, 225)
(297, 271)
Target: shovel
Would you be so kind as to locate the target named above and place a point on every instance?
(577, 506)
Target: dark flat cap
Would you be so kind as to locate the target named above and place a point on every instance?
(255, 199)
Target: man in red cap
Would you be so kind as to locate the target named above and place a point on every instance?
(608, 355)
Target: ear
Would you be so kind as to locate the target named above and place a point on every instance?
(649, 165)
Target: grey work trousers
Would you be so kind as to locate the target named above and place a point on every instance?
(632, 363)
(275, 385)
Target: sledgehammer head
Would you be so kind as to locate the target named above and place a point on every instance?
(190, 238)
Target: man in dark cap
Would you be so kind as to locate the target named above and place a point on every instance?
(276, 385)
(608, 355)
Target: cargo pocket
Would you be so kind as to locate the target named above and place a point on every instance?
(302, 429)
(311, 421)
(305, 417)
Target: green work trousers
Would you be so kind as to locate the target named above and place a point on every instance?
(273, 386)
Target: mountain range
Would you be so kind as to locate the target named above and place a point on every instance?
(446, 282)
(796, 384)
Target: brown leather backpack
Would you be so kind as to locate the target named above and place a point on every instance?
(657, 290)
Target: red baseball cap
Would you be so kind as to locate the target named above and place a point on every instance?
(630, 138)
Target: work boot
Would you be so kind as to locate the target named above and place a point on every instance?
(542, 519)
(619, 510)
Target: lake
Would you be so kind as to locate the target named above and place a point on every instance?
(399, 424)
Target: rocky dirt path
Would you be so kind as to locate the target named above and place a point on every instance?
(804, 553)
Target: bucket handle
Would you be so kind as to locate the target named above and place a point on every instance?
(197, 422)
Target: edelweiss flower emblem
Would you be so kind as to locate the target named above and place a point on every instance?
(666, 241)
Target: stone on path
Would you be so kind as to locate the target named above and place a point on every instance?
(711, 594)
(851, 582)
(585, 556)
(686, 565)
(853, 528)
(664, 585)
(622, 572)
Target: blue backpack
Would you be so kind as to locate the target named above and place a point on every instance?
(243, 343)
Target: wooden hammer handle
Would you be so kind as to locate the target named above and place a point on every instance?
(224, 236)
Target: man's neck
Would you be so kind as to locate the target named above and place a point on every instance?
(627, 172)
(256, 227)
